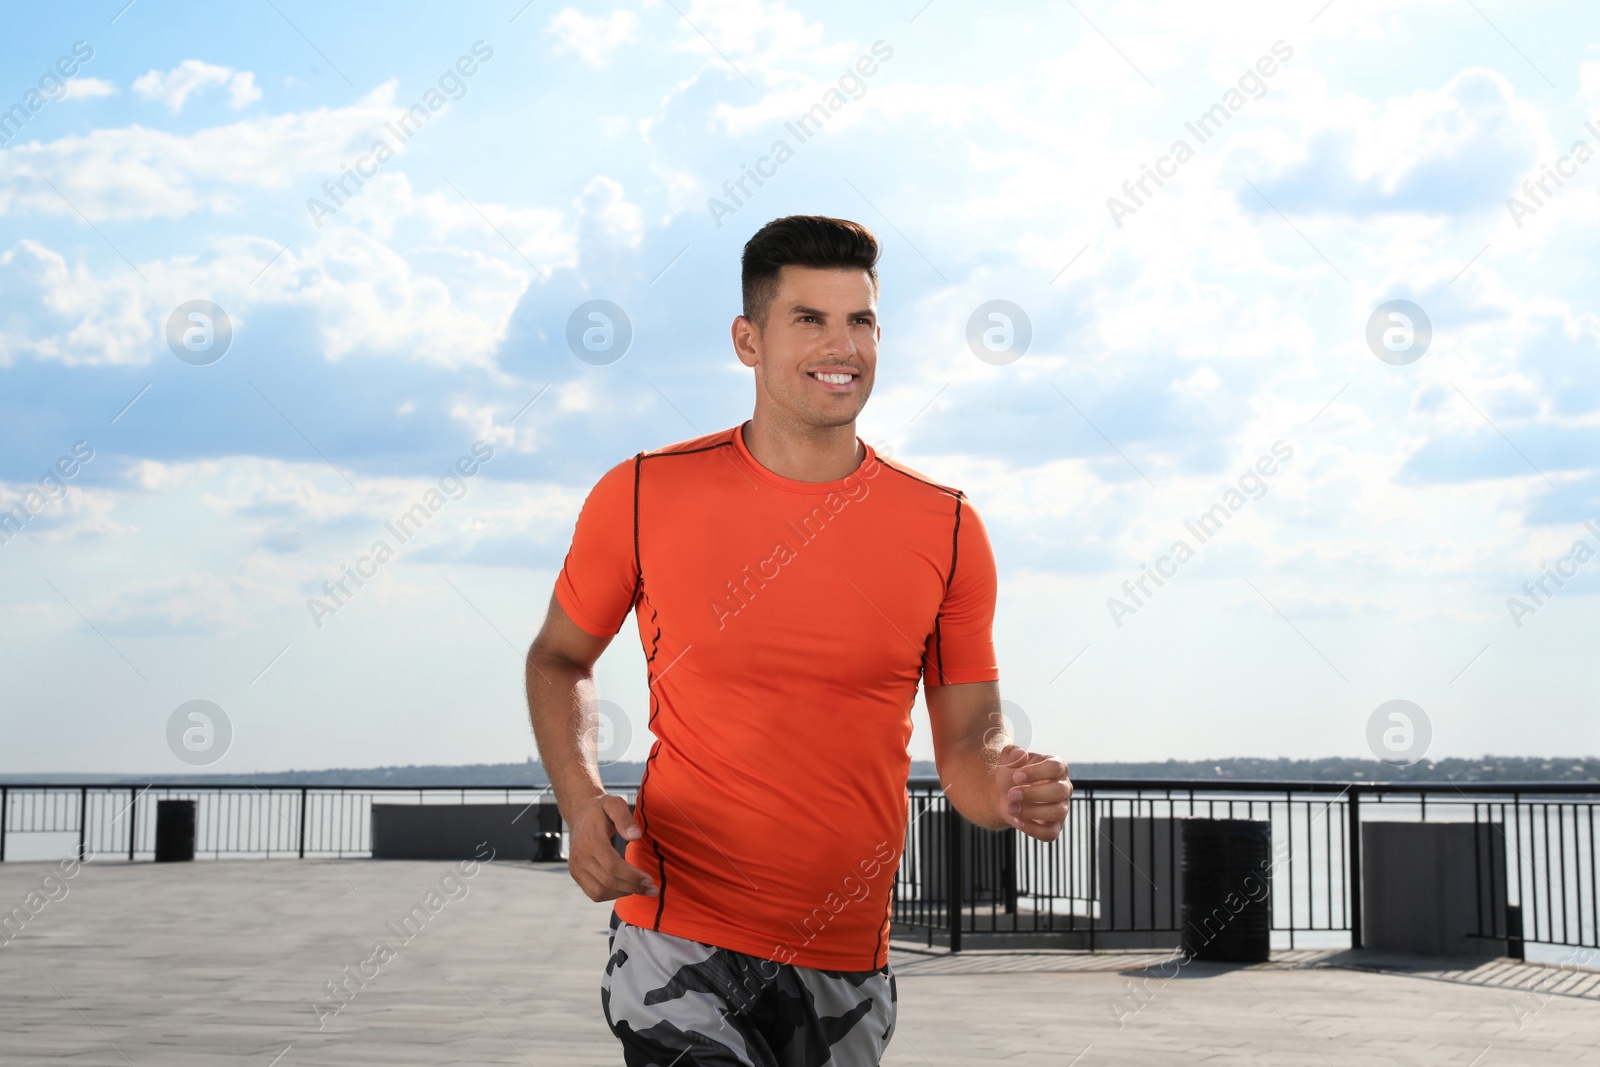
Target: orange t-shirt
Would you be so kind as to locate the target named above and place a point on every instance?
(785, 625)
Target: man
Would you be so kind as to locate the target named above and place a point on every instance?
(790, 588)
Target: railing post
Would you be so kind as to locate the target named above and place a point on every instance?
(133, 818)
(302, 822)
(1091, 891)
(1009, 842)
(83, 819)
(1353, 809)
(5, 808)
(1515, 947)
(952, 851)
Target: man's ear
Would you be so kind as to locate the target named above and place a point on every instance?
(746, 341)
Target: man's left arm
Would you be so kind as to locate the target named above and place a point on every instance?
(991, 780)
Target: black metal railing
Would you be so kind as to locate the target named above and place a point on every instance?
(1537, 866)
(1111, 879)
(118, 822)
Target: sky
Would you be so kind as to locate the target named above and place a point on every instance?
(1324, 271)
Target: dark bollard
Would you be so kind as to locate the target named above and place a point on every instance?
(174, 830)
(1227, 882)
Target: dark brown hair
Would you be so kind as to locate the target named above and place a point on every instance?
(803, 241)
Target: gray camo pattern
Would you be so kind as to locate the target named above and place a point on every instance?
(673, 1002)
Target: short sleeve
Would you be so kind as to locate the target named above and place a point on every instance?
(599, 578)
(961, 647)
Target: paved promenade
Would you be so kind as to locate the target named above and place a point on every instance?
(229, 963)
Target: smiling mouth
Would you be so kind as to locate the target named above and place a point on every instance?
(833, 379)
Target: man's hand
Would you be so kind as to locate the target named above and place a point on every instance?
(1032, 792)
(592, 860)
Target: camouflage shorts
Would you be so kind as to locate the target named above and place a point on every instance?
(679, 1003)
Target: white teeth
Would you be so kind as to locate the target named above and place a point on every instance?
(834, 379)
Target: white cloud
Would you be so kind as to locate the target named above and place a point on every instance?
(242, 89)
(592, 39)
(174, 87)
(541, 234)
(74, 316)
(368, 296)
(84, 512)
(397, 273)
(1444, 151)
(88, 88)
(137, 172)
(452, 307)
(185, 604)
(760, 36)
(283, 527)
(606, 203)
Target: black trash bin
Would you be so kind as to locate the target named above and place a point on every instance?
(547, 833)
(1227, 881)
(546, 847)
(174, 830)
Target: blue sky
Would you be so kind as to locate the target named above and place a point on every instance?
(379, 336)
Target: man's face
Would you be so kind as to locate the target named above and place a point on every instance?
(822, 321)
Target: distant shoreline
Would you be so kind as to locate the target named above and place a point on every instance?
(531, 774)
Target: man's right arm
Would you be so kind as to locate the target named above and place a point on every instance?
(562, 706)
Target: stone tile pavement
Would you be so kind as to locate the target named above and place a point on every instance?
(229, 963)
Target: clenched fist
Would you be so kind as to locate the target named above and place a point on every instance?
(1032, 792)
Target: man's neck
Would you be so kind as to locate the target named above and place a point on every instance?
(822, 455)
